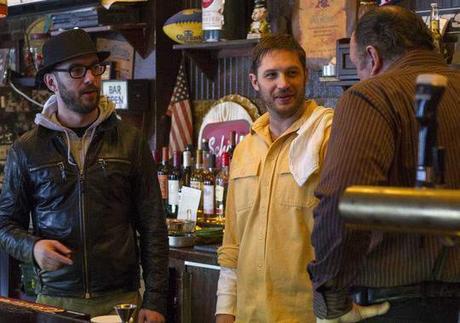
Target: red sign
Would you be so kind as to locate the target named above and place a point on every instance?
(218, 135)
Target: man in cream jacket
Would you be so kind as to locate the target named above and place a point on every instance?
(273, 174)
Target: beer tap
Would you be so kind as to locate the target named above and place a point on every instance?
(430, 164)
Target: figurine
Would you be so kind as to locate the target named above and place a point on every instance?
(259, 25)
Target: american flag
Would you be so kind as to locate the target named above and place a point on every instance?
(181, 114)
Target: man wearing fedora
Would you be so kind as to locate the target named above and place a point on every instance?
(87, 181)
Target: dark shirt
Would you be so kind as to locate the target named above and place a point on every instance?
(80, 131)
(374, 142)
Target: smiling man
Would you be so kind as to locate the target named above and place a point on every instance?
(88, 182)
(273, 174)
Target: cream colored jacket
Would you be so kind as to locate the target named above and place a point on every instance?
(268, 225)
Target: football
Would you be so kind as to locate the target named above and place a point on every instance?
(184, 26)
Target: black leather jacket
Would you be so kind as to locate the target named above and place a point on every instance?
(95, 212)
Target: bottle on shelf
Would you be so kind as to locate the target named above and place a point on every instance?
(208, 190)
(186, 167)
(196, 182)
(191, 149)
(162, 173)
(156, 156)
(204, 146)
(231, 144)
(212, 19)
(174, 185)
(221, 189)
(435, 27)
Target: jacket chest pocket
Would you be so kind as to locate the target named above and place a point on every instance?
(115, 172)
(245, 180)
(290, 194)
(52, 188)
(114, 167)
(48, 175)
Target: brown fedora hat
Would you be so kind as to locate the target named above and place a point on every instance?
(67, 45)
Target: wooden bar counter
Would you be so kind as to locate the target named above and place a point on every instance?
(193, 276)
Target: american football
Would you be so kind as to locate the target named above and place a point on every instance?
(184, 26)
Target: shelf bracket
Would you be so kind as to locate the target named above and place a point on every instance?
(206, 61)
(138, 38)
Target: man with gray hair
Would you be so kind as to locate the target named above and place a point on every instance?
(374, 142)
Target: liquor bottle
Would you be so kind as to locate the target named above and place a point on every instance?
(163, 172)
(435, 28)
(225, 19)
(191, 149)
(204, 146)
(221, 188)
(186, 167)
(174, 185)
(156, 156)
(212, 19)
(196, 182)
(3, 8)
(208, 190)
(231, 144)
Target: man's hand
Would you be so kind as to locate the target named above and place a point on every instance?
(359, 313)
(225, 318)
(51, 255)
(149, 316)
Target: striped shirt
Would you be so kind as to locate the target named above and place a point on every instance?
(374, 142)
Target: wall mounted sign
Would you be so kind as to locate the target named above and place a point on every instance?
(117, 92)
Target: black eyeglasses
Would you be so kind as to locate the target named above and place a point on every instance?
(79, 71)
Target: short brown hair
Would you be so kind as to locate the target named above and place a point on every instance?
(273, 42)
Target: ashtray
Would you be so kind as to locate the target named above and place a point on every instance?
(187, 240)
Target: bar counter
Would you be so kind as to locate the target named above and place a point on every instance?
(193, 276)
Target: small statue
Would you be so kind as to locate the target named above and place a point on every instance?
(259, 24)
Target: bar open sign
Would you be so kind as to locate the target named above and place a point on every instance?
(117, 92)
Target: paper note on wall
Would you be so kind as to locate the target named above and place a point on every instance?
(317, 24)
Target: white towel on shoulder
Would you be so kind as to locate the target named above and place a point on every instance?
(304, 153)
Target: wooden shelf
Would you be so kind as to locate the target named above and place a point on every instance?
(333, 81)
(226, 44)
(206, 54)
(136, 34)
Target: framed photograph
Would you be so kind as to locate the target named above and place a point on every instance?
(108, 74)
(121, 55)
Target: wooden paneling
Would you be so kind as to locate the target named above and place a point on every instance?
(231, 77)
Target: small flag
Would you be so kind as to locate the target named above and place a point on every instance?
(181, 114)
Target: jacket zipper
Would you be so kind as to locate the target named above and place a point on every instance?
(81, 181)
(103, 163)
(60, 165)
(83, 232)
